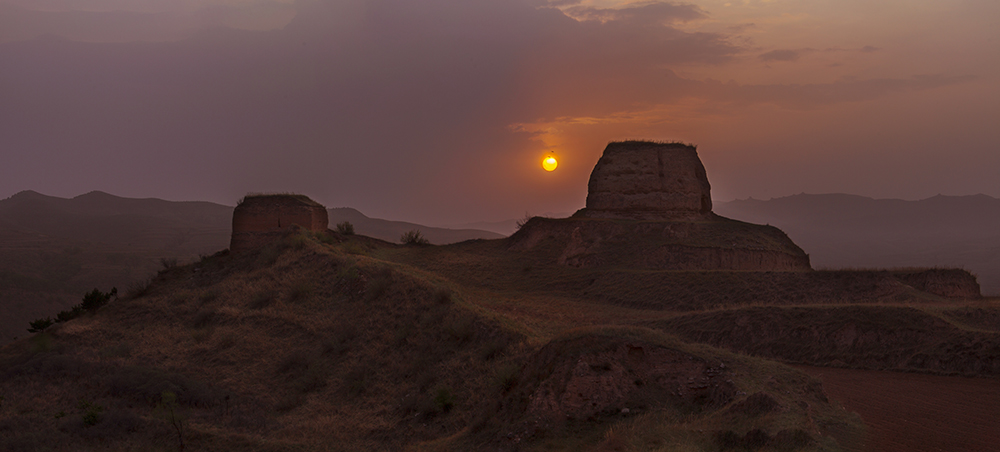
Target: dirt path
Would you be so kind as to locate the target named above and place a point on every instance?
(914, 412)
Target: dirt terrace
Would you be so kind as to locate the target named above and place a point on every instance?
(909, 412)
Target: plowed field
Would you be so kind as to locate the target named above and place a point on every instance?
(914, 412)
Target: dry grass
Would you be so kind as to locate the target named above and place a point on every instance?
(314, 344)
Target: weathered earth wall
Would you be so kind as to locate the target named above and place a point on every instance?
(664, 245)
(946, 282)
(259, 220)
(648, 180)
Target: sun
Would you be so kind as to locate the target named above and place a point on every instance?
(549, 163)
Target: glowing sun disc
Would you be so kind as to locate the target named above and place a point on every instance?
(549, 163)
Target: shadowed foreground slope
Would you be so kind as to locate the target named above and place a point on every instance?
(319, 343)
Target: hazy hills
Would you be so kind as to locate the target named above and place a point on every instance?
(391, 230)
(839, 230)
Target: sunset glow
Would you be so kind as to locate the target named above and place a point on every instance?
(549, 163)
(355, 102)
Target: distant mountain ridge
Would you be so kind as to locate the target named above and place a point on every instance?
(101, 218)
(390, 231)
(841, 230)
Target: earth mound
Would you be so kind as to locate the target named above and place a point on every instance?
(592, 376)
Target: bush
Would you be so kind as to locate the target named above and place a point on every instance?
(263, 299)
(91, 413)
(92, 301)
(444, 400)
(40, 325)
(413, 237)
(523, 221)
(169, 411)
(506, 376)
(139, 288)
(345, 228)
(168, 262)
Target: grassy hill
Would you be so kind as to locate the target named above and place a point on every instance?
(52, 250)
(348, 343)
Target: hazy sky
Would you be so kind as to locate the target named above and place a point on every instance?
(439, 111)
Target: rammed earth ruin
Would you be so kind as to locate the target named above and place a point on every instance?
(261, 219)
(649, 205)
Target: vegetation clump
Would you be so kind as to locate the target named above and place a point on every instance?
(413, 237)
(92, 301)
(345, 228)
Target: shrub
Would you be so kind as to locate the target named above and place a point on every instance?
(493, 348)
(377, 286)
(169, 411)
(354, 248)
(209, 296)
(300, 290)
(356, 381)
(460, 327)
(91, 413)
(121, 350)
(345, 228)
(506, 376)
(442, 296)
(413, 237)
(168, 262)
(139, 288)
(312, 379)
(203, 318)
(92, 301)
(443, 400)
(40, 325)
(262, 300)
(523, 221)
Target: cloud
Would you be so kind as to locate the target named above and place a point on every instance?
(792, 55)
(643, 13)
(782, 55)
(98, 21)
(384, 105)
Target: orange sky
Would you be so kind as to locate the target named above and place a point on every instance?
(438, 111)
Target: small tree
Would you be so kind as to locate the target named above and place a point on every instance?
(93, 300)
(40, 325)
(170, 411)
(523, 221)
(345, 228)
(413, 237)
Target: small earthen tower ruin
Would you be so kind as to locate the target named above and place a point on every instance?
(645, 180)
(261, 219)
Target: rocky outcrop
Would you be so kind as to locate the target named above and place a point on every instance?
(647, 180)
(261, 219)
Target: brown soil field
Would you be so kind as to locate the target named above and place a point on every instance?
(910, 412)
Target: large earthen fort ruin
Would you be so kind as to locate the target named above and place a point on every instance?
(649, 206)
(649, 181)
